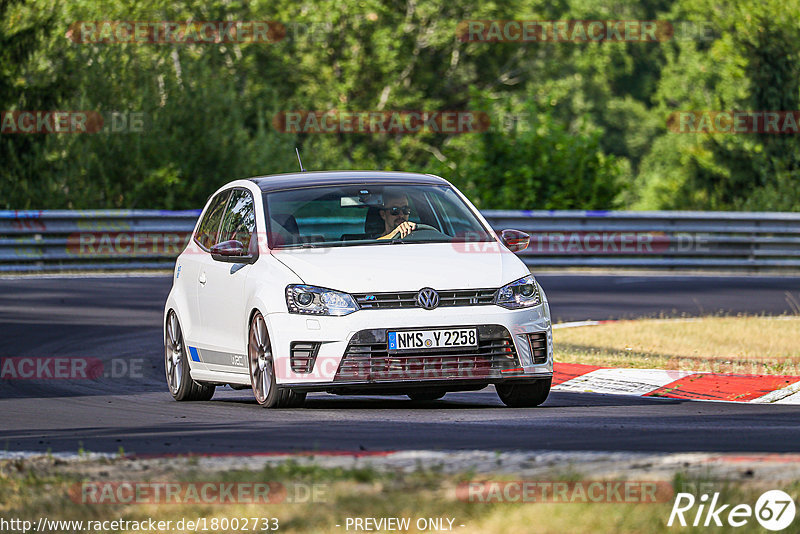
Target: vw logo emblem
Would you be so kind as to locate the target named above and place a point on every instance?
(427, 298)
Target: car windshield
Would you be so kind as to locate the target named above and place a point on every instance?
(359, 214)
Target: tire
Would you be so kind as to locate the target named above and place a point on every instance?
(524, 395)
(426, 394)
(176, 366)
(262, 370)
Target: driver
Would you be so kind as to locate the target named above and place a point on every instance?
(395, 214)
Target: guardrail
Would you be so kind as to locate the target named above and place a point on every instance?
(150, 239)
(92, 239)
(657, 239)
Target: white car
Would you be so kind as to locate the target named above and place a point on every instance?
(353, 282)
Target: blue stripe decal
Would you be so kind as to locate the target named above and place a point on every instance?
(193, 352)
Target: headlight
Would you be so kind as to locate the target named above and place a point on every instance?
(522, 293)
(312, 300)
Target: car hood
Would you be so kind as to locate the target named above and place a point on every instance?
(404, 267)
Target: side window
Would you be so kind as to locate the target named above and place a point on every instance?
(240, 218)
(207, 230)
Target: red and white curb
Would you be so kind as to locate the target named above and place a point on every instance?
(762, 389)
(772, 389)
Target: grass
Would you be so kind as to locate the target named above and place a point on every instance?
(30, 493)
(742, 344)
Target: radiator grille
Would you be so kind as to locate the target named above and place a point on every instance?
(408, 299)
(368, 360)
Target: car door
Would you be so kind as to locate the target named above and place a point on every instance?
(194, 258)
(221, 291)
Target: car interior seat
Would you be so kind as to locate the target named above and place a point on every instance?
(373, 224)
(284, 229)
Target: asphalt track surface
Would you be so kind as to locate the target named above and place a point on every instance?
(119, 318)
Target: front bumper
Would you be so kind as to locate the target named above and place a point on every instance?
(336, 335)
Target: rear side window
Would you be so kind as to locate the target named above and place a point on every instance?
(240, 218)
(206, 235)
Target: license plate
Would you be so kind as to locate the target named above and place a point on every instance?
(433, 339)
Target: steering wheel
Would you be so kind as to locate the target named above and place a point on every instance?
(420, 226)
(395, 234)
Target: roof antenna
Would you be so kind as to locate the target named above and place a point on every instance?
(299, 160)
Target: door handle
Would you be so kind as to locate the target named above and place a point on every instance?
(202, 278)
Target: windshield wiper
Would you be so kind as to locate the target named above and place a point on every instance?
(414, 241)
(362, 242)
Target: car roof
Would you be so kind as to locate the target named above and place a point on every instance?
(278, 182)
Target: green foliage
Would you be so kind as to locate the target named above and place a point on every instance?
(537, 164)
(750, 63)
(588, 128)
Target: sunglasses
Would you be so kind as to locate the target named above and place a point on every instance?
(405, 210)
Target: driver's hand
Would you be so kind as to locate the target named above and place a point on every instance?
(406, 228)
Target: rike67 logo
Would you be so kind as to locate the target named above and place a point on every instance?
(774, 510)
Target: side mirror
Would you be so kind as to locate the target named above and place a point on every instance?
(515, 240)
(232, 252)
